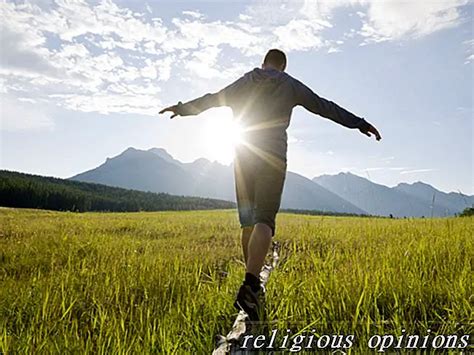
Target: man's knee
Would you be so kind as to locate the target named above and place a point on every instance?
(268, 227)
(266, 217)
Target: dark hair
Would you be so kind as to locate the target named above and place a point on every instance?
(276, 58)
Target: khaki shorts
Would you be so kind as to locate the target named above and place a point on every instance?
(259, 180)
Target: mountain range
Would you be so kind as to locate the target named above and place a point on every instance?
(155, 170)
(414, 200)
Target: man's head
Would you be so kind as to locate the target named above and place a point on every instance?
(275, 59)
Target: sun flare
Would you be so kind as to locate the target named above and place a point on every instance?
(221, 135)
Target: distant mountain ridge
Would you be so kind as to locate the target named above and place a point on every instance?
(451, 200)
(156, 170)
(416, 200)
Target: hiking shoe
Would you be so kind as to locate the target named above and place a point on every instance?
(250, 302)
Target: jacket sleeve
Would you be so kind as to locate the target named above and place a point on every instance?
(224, 97)
(305, 97)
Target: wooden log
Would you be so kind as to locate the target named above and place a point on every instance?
(225, 344)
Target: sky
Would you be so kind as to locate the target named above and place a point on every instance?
(81, 81)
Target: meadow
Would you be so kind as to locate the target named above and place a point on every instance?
(164, 282)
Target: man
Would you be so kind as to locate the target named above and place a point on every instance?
(262, 100)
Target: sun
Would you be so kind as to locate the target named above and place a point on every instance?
(221, 134)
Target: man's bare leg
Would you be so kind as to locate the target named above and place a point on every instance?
(257, 249)
(246, 232)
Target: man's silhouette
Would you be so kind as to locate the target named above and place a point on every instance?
(262, 101)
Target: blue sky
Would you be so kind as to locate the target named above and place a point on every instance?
(81, 81)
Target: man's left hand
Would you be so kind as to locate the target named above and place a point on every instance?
(372, 130)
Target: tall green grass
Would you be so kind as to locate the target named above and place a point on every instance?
(165, 282)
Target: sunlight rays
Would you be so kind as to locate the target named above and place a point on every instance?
(221, 135)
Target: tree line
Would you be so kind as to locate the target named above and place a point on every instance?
(33, 191)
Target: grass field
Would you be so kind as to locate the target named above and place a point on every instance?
(164, 282)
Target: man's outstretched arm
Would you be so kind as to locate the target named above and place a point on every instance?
(203, 103)
(194, 107)
(328, 109)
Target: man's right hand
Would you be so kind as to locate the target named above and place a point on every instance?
(372, 130)
(173, 109)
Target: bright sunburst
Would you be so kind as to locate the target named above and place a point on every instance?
(221, 135)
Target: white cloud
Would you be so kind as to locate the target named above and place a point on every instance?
(398, 20)
(375, 169)
(164, 67)
(112, 103)
(380, 20)
(195, 33)
(16, 115)
(89, 58)
(20, 52)
(149, 70)
(3, 89)
(469, 51)
(203, 63)
(74, 50)
(269, 13)
(194, 14)
(148, 9)
(392, 19)
(291, 26)
(334, 50)
(416, 171)
(245, 17)
(104, 50)
(107, 44)
(306, 32)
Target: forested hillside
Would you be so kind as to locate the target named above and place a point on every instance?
(32, 191)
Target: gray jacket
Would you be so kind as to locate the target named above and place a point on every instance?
(262, 101)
